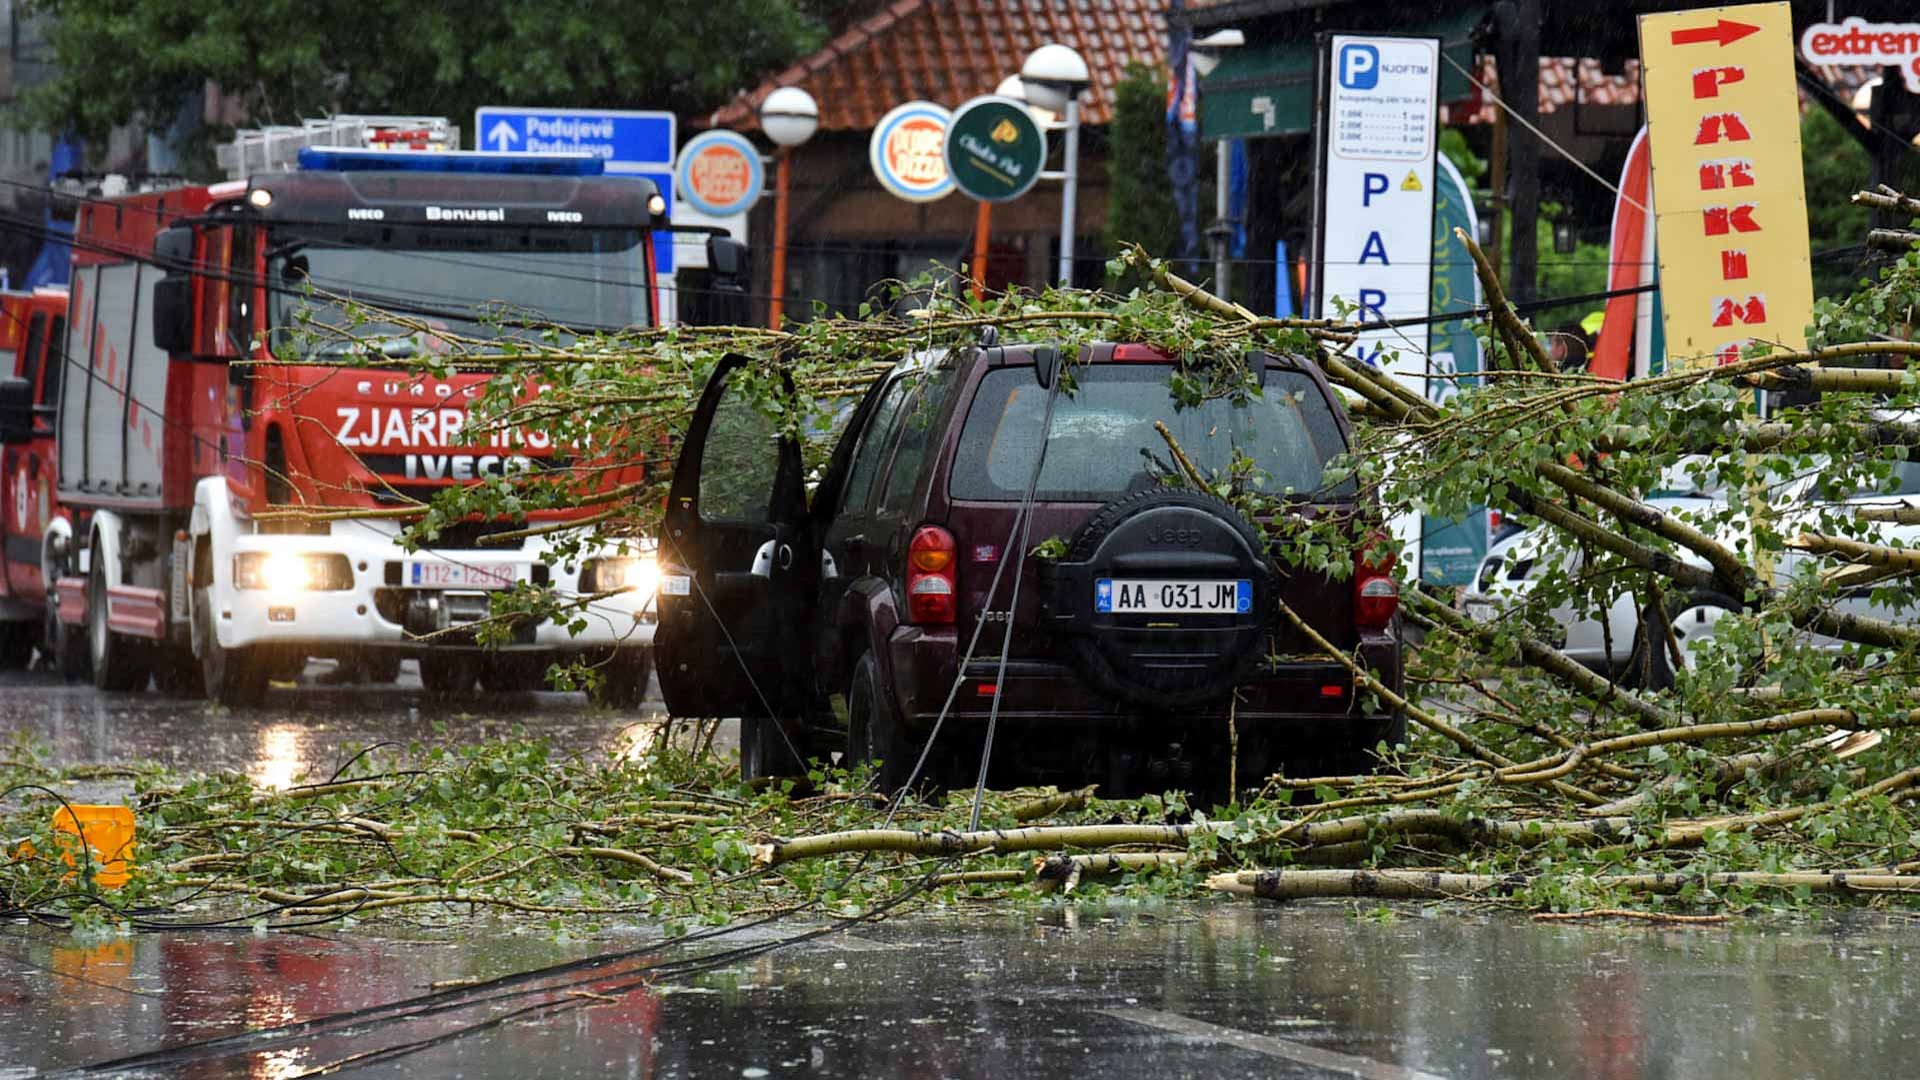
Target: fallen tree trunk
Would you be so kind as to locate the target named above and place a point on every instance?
(906, 841)
(1061, 873)
(1433, 884)
(1898, 515)
(1874, 554)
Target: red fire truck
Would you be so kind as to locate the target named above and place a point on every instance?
(33, 327)
(177, 447)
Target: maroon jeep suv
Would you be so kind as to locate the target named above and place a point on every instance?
(836, 611)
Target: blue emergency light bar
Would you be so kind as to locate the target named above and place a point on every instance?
(350, 159)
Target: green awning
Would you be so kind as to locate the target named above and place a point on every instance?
(1267, 89)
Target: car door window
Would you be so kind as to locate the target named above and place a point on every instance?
(1904, 481)
(917, 424)
(739, 462)
(871, 456)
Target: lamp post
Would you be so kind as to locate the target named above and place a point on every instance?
(789, 116)
(1054, 77)
(1206, 57)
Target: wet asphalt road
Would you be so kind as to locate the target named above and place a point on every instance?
(300, 730)
(1231, 988)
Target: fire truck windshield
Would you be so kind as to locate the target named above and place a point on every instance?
(338, 294)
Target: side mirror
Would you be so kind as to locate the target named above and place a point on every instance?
(173, 314)
(1046, 366)
(173, 294)
(727, 262)
(173, 249)
(16, 410)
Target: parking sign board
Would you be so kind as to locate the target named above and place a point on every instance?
(631, 142)
(1375, 237)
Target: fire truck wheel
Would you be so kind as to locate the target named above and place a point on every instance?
(66, 647)
(16, 645)
(232, 677)
(623, 679)
(119, 662)
(513, 674)
(449, 674)
(380, 666)
(175, 671)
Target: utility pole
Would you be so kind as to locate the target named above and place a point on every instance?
(1519, 61)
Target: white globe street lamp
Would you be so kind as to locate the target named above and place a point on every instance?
(1011, 87)
(789, 116)
(1054, 77)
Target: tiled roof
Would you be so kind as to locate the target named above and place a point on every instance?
(1564, 82)
(950, 50)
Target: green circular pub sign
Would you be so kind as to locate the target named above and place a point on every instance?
(995, 150)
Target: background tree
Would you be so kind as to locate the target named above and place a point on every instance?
(127, 61)
(1139, 206)
(1834, 161)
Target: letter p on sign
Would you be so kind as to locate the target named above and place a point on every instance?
(1359, 67)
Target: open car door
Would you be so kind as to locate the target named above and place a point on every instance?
(735, 585)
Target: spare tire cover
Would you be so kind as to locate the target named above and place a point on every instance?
(1150, 545)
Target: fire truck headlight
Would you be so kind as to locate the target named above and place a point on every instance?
(290, 572)
(656, 205)
(639, 574)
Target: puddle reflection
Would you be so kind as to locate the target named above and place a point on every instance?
(281, 759)
(1016, 994)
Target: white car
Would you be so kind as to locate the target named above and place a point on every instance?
(1516, 565)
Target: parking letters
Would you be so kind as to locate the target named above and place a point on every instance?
(1376, 242)
(1359, 67)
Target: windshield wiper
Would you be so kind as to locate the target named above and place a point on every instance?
(388, 346)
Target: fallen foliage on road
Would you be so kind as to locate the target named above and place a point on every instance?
(438, 834)
(1774, 763)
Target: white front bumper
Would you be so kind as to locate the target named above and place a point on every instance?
(372, 612)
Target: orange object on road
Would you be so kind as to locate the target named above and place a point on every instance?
(107, 830)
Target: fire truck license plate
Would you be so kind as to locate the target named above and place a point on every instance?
(441, 575)
(1125, 596)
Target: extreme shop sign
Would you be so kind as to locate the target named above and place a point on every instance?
(1730, 204)
(1856, 42)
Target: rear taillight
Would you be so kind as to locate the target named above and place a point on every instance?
(1376, 596)
(931, 586)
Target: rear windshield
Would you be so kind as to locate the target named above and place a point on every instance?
(1103, 443)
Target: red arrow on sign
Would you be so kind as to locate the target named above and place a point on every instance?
(1726, 32)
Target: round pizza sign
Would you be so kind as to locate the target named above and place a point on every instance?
(908, 152)
(720, 173)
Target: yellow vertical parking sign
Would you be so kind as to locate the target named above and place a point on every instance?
(1729, 200)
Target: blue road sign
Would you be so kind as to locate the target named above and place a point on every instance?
(630, 142)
